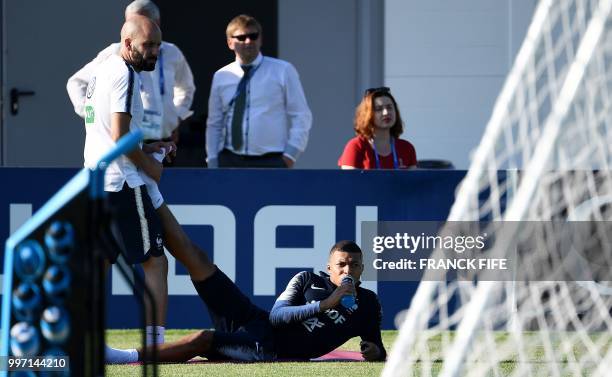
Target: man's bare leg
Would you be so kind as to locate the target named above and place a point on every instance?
(182, 248)
(156, 279)
(186, 348)
(156, 268)
(200, 268)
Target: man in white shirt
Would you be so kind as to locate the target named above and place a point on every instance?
(257, 112)
(167, 91)
(112, 108)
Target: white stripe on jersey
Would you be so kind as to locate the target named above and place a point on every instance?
(144, 225)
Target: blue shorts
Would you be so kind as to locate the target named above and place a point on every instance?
(137, 227)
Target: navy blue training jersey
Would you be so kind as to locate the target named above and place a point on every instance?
(303, 333)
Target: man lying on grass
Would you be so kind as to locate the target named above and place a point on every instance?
(307, 320)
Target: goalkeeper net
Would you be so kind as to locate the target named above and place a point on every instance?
(544, 158)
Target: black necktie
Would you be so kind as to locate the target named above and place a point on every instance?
(239, 105)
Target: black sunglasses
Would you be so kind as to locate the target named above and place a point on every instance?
(243, 37)
(382, 89)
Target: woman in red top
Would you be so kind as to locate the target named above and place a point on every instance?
(378, 125)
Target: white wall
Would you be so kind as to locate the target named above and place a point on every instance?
(446, 61)
(319, 38)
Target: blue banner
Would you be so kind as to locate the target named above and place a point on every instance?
(260, 226)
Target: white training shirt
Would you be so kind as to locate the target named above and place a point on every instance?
(167, 92)
(113, 88)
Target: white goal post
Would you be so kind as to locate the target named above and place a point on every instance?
(553, 123)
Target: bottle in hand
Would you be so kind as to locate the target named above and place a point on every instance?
(348, 301)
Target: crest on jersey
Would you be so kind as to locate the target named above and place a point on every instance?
(91, 87)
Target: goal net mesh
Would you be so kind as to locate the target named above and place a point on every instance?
(543, 162)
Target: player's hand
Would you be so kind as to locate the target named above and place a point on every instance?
(168, 146)
(289, 162)
(334, 299)
(369, 350)
(154, 169)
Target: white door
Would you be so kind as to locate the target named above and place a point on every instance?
(45, 42)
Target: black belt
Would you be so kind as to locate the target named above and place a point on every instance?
(247, 157)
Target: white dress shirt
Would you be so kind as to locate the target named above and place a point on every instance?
(276, 117)
(173, 84)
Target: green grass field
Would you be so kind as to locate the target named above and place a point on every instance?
(131, 339)
(566, 355)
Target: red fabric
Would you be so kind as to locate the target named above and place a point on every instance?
(341, 355)
(335, 355)
(359, 153)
